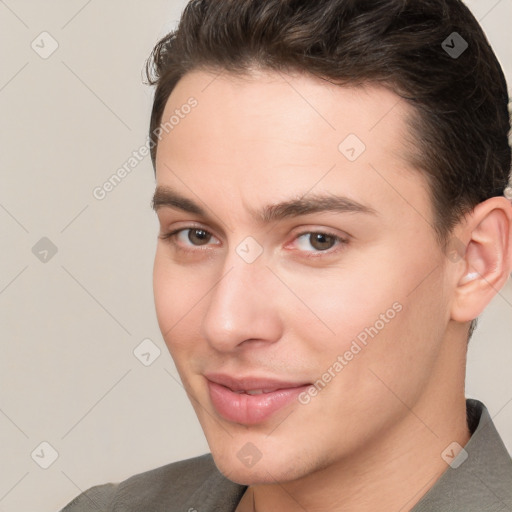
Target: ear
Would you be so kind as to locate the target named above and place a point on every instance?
(487, 259)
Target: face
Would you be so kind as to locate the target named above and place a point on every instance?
(295, 260)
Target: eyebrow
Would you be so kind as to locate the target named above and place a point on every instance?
(295, 207)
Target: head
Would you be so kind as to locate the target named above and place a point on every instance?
(337, 178)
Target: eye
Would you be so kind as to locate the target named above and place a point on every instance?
(188, 237)
(314, 243)
(319, 241)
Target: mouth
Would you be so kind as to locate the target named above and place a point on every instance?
(251, 400)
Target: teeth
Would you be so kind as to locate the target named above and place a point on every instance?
(254, 391)
(258, 391)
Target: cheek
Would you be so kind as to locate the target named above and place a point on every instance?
(164, 294)
(373, 359)
(177, 294)
(339, 304)
(403, 338)
(386, 305)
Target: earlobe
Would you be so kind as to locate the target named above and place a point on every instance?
(487, 259)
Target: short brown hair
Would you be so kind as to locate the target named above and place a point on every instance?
(461, 101)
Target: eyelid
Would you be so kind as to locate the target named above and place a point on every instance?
(342, 240)
(323, 231)
(172, 234)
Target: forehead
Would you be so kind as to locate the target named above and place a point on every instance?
(261, 135)
(306, 107)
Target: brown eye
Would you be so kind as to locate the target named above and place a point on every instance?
(315, 243)
(198, 236)
(187, 238)
(321, 241)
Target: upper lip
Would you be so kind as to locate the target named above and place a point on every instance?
(249, 382)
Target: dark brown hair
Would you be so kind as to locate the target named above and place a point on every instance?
(459, 97)
(463, 121)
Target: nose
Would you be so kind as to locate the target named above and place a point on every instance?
(242, 307)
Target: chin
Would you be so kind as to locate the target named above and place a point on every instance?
(263, 468)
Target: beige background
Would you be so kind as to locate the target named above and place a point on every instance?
(69, 326)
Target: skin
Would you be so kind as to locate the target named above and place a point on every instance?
(266, 138)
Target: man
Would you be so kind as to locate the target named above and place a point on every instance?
(330, 191)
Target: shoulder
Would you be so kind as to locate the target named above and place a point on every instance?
(170, 487)
(480, 477)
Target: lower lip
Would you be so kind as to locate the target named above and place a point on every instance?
(250, 409)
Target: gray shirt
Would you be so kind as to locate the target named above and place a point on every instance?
(483, 482)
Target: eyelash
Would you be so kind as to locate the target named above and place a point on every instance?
(340, 242)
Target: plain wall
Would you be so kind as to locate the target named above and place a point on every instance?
(69, 325)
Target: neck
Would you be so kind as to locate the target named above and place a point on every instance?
(387, 476)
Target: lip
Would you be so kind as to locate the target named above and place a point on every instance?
(247, 409)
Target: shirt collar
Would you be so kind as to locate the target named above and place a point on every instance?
(483, 480)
